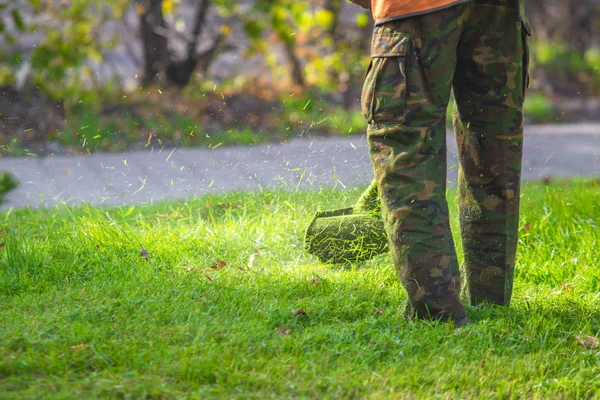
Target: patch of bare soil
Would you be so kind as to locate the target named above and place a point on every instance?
(27, 117)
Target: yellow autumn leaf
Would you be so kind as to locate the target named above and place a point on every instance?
(362, 20)
(95, 55)
(225, 30)
(324, 18)
(117, 11)
(167, 7)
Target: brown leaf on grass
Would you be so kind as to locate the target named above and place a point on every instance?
(377, 312)
(300, 313)
(190, 268)
(283, 331)
(566, 286)
(218, 265)
(208, 277)
(2, 245)
(527, 227)
(81, 346)
(144, 254)
(315, 281)
(589, 342)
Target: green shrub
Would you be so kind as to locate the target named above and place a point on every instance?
(7, 183)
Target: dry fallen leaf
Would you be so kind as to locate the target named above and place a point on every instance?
(208, 277)
(283, 331)
(189, 268)
(2, 245)
(300, 313)
(589, 342)
(218, 265)
(377, 312)
(251, 258)
(315, 281)
(527, 227)
(144, 254)
(566, 286)
(81, 346)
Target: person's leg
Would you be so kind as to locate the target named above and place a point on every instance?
(405, 96)
(489, 89)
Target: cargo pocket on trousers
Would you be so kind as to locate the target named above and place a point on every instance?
(383, 98)
(526, 32)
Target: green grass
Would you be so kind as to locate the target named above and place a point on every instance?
(538, 108)
(83, 315)
(88, 130)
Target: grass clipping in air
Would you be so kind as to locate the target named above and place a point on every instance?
(225, 302)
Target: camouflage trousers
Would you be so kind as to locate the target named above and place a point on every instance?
(479, 50)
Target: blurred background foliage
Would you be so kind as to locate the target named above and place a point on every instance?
(85, 75)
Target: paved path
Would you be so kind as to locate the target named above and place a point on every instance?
(137, 177)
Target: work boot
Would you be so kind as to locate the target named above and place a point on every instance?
(461, 322)
(455, 313)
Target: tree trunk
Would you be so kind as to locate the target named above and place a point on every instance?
(180, 72)
(295, 64)
(154, 43)
(155, 37)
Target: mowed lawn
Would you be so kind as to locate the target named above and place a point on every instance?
(223, 302)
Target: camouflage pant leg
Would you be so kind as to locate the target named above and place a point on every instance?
(489, 88)
(404, 100)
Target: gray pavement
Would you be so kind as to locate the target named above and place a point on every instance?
(303, 163)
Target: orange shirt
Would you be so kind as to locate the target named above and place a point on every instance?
(384, 10)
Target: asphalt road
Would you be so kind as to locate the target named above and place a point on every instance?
(303, 163)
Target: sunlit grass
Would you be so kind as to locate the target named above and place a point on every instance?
(228, 304)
